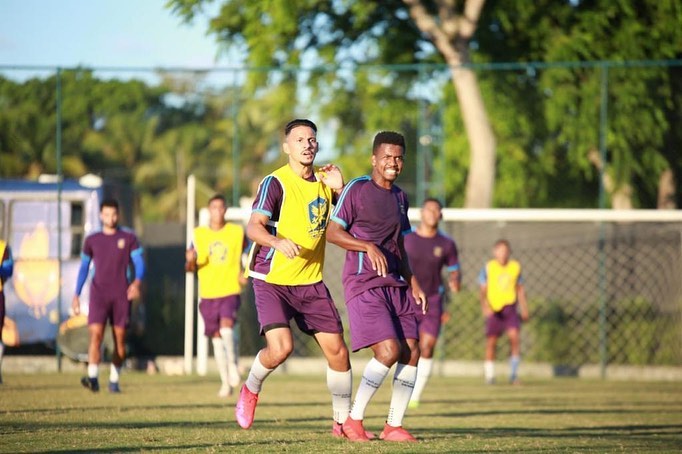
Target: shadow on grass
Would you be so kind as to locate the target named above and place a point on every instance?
(670, 431)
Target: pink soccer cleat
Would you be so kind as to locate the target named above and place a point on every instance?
(354, 431)
(246, 407)
(337, 431)
(391, 433)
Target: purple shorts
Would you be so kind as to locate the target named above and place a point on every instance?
(502, 321)
(379, 314)
(109, 307)
(429, 323)
(214, 309)
(310, 305)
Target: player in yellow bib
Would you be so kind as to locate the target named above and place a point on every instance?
(216, 255)
(502, 290)
(288, 223)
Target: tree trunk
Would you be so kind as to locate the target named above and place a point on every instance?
(666, 191)
(621, 197)
(450, 34)
(481, 178)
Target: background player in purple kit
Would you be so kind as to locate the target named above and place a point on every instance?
(111, 252)
(287, 225)
(429, 250)
(6, 269)
(369, 222)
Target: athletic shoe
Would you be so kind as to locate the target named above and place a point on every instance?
(337, 431)
(91, 383)
(225, 391)
(391, 433)
(413, 404)
(354, 430)
(114, 388)
(490, 381)
(246, 407)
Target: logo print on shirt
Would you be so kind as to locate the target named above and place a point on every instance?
(317, 216)
(121, 243)
(504, 281)
(437, 251)
(217, 251)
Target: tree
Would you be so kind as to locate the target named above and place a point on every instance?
(644, 112)
(279, 32)
(451, 33)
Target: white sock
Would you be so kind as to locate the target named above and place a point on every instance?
(114, 373)
(227, 335)
(489, 370)
(403, 384)
(340, 384)
(372, 377)
(514, 362)
(220, 359)
(93, 370)
(257, 375)
(423, 373)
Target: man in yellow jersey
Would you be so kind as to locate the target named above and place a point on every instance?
(288, 226)
(6, 268)
(502, 290)
(215, 253)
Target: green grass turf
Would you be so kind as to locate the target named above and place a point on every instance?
(53, 413)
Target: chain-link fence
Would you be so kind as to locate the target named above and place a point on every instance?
(598, 292)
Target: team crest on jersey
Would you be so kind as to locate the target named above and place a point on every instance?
(317, 216)
(121, 243)
(437, 251)
(217, 251)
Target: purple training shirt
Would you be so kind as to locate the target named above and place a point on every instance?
(371, 213)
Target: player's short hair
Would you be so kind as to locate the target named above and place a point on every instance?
(388, 137)
(299, 122)
(111, 203)
(433, 200)
(218, 197)
(502, 242)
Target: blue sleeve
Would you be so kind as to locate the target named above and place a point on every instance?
(82, 273)
(138, 261)
(7, 265)
(483, 276)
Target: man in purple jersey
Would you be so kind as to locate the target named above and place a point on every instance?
(111, 251)
(429, 251)
(369, 221)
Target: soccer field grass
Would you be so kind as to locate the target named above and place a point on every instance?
(51, 412)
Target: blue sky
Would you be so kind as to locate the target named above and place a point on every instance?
(111, 33)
